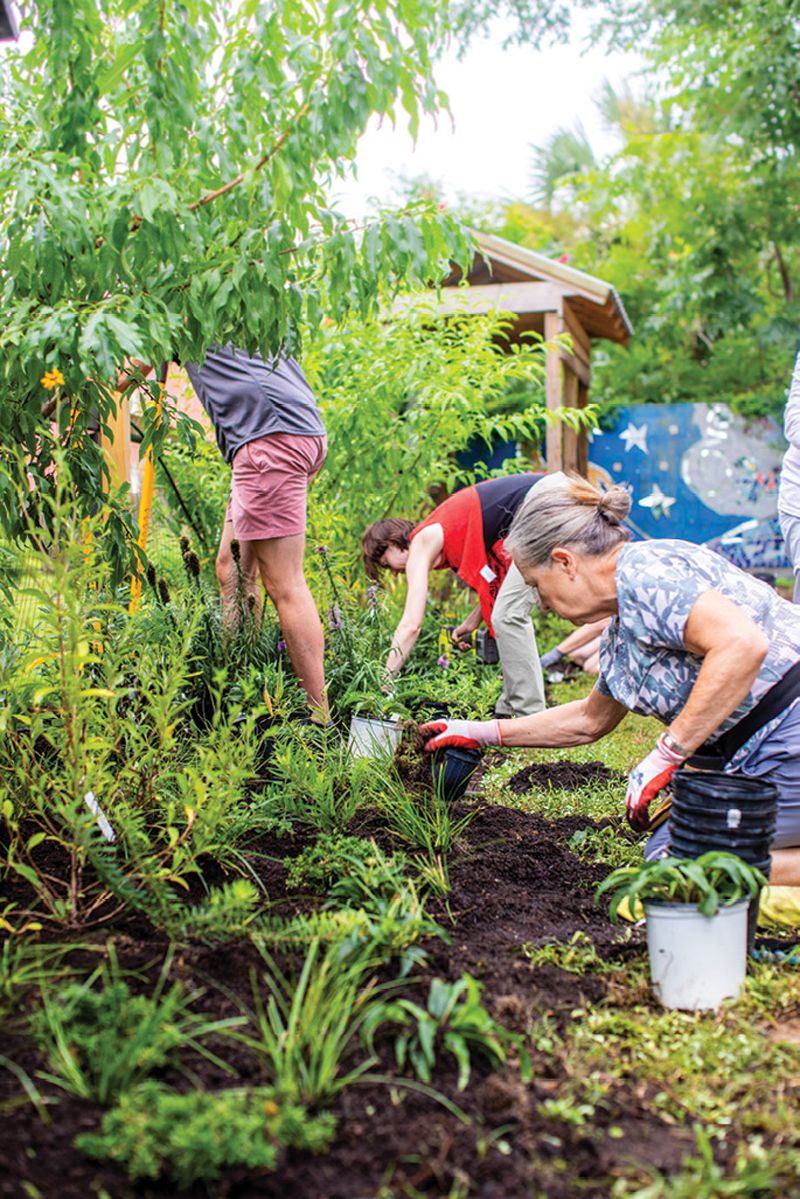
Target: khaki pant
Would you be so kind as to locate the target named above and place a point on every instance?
(523, 683)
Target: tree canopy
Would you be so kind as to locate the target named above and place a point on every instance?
(164, 180)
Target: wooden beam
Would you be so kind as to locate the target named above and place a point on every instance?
(493, 297)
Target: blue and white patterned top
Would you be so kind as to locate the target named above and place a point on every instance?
(644, 664)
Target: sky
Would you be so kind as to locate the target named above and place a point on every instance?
(502, 102)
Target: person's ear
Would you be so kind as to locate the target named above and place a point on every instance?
(564, 560)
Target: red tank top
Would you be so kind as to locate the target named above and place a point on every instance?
(475, 521)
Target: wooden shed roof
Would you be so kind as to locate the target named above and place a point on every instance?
(595, 303)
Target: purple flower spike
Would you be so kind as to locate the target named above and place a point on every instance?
(281, 646)
(335, 618)
(371, 594)
(323, 550)
(443, 661)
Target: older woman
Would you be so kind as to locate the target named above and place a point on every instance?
(693, 641)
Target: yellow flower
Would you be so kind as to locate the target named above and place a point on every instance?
(52, 379)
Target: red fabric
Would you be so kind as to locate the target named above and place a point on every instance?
(461, 519)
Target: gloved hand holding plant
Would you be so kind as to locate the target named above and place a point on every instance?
(462, 734)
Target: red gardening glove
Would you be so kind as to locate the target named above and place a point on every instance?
(646, 780)
(464, 734)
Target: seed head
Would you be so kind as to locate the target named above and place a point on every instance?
(163, 591)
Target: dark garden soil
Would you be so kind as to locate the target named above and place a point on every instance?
(543, 775)
(514, 883)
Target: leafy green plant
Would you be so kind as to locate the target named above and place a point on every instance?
(453, 1021)
(710, 881)
(101, 1039)
(577, 956)
(305, 1026)
(608, 845)
(317, 781)
(330, 857)
(155, 1132)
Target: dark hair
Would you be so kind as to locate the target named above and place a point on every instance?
(393, 530)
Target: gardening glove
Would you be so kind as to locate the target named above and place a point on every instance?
(646, 780)
(463, 734)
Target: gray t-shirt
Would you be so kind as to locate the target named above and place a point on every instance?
(644, 663)
(247, 398)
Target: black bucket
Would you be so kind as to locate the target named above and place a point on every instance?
(452, 768)
(731, 813)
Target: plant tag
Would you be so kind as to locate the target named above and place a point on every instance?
(97, 812)
(734, 817)
(487, 573)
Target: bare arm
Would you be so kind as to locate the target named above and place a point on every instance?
(467, 627)
(576, 723)
(733, 649)
(423, 555)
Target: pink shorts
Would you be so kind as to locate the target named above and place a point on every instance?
(269, 485)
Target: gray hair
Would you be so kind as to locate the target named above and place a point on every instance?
(567, 511)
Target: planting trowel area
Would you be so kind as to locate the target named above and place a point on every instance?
(547, 1116)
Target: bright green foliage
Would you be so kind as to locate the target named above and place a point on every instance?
(400, 398)
(94, 747)
(317, 781)
(328, 859)
(577, 956)
(101, 1038)
(157, 1133)
(454, 1021)
(164, 181)
(611, 845)
(712, 880)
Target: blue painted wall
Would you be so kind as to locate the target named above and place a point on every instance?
(698, 472)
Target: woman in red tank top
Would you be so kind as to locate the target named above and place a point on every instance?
(465, 534)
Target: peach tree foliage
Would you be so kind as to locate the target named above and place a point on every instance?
(165, 170)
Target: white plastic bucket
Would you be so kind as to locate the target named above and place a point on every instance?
(696, 961)
(372, 738)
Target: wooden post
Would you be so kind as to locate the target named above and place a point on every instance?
(554, 391)
(116, 444)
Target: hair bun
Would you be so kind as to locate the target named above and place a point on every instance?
(615, 504)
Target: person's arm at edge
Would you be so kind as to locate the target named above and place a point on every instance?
(577, 723)
(791, 416)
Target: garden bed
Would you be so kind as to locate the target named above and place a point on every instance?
(514, 885)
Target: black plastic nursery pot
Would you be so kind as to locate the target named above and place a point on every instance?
(452, 768)
(732, 813)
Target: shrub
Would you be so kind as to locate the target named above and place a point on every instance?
(155, 1132)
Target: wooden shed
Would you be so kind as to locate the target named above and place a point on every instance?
(548, 297)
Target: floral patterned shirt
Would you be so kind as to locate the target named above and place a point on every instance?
(644, 664)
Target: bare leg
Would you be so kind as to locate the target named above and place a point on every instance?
(280, 562)
(785, 870)
(228, 576)
(582, 637)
